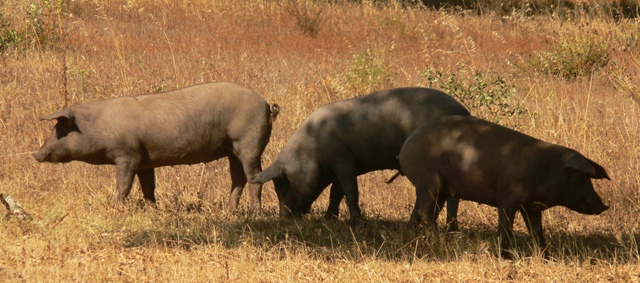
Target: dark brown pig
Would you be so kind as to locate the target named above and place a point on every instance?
(196, 124)
(472, 159)
(344, 139)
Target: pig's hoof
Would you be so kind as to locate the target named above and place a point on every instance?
(144, 203)
(329, 216)
(256, 211)
(506, 255)
(356, 222)
(452, 227)
(232, 209)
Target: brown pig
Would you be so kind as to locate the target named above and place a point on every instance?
(473, 159)
(196, 124)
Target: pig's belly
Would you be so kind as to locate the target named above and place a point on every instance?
(176, 156)
(472, 191)
(182, 161)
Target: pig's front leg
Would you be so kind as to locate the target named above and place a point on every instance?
(349, 183)
(505, 228)
(125, 171)
(533, 220)
(335, 197)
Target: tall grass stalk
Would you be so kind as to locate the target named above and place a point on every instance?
(79, 232)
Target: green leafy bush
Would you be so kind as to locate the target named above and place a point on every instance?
(8, 37)
(38, 29)
(485, 96)
(367, 72)
(579, 55)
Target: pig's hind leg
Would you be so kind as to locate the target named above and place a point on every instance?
(245, 162)
(238, 181)
(147, 179)
(430, 198)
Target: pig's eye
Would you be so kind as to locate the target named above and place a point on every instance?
(579, 180)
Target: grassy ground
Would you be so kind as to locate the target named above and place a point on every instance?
(570, 78)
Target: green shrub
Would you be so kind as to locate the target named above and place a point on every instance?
(8, 37)
(367, 72)
(579, 55)
(485, 96)
(38, 29)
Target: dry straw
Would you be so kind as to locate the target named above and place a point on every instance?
(115, 48)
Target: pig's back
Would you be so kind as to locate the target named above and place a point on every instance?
(185, 126)
(477, 157)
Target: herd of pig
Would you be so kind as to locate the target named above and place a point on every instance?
(427, 135)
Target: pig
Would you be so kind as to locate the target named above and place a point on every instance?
(192, 125)
(344, 139)
(473, 159)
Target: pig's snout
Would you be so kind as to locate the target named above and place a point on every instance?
(40, 156)
(599, 208)
(596, 205)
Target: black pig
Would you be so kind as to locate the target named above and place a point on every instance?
(344, 139)
(473, 159)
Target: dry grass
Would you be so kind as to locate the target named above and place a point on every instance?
(117, 48)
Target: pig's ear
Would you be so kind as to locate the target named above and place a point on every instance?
(600, 172)
(64, 114)
(584, 165)
(274, 171)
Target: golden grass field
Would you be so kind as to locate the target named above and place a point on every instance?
(575, 74)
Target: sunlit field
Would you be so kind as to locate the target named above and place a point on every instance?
(566, 75)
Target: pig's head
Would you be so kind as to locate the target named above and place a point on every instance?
(64, 140)
(580, 195)
(293, 201)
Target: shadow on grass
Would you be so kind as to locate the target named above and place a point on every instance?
(383, 239)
